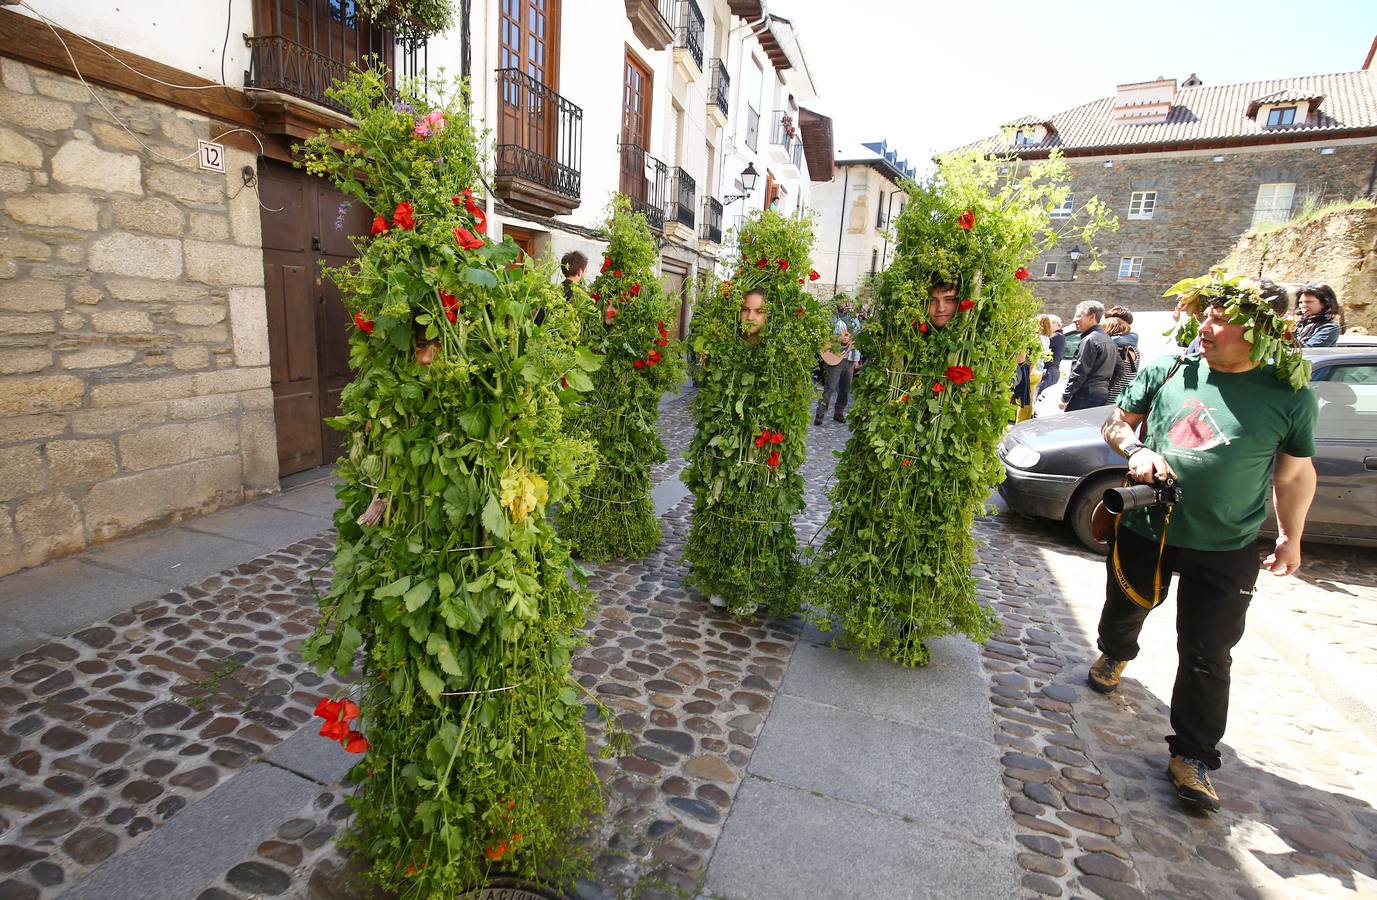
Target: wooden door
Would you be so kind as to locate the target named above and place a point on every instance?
(527, 37)
(636, 94)
(676, 284)
(331, 28)
(308, 347)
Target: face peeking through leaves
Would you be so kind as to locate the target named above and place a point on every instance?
(753, 315)
(941, 306)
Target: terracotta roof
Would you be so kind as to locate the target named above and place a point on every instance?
(1213, 114)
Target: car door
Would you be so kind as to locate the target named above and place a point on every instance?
(1345, 506)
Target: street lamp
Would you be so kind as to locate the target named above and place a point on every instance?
(749, 176)
(1075, 255)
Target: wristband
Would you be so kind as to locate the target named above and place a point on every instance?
(1132, 448)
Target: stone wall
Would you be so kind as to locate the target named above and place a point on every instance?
(1338, 248)
(1203, 207)
(134, 380)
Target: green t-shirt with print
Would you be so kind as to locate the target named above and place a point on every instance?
(1221, 432)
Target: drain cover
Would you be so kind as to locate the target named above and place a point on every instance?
(511, 889)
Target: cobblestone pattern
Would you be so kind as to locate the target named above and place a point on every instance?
(1085, 774)
(109, 733)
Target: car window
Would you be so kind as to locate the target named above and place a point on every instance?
(1348, 411)
(1073, 343)
(1357, 373)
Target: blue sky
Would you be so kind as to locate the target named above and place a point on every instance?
(929, 76)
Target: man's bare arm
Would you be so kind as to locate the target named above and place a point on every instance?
(1293, 487)
(1145, 465)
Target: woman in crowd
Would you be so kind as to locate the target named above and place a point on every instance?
(1126, 366)
(1321, 318)
(1049, 328)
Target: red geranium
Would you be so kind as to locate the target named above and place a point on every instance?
(366, 327)
(480, 217)
(497, 852)
(783, 264)
(965, 305)
(1020, 273)
(379, 225)
(938, 387)
(595, 295)
(611, 312)
(813, 275)
(655, 357)
(404, 216)
(606, 264)
(922, 327)
(773, 461)
(967, 219)
(467, 239)
(662, 342)
(903, 398)
(959, 374)
(356, 743)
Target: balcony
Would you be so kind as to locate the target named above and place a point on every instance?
(680, 209)
(688, 41)
(752, 127)
(718, 91)
(539, 151)
(650, 21)
(711, 230)
(786, 147)
(643, 181)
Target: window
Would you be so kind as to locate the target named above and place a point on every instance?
(1273, 206)
(1050, 270)
(1281, 115)
(1141, 204)
(1130, 267)
(1064, 210)
(1348, 410)
(1025, 136)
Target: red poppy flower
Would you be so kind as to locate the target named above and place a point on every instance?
(349, 710)
(776, 438)
(800, 281)
(922, 327)
(938, 387)
(762, 263)
(959, 374)
(662, 342)
(497, 852)
(363, 324)
(635, 290)
(762, 439)
(480, 217)
(783, 264)
(596, 295)
(616, 273)
(799, 312)
(606, 264)
(564, 383)
(965, 305)
(813, 275)
(655, 357)
(903, 398)
(1020, 273)
(611, 312)
(905, 462)
(467, 239)
(379, 225)
(967, 219)
(328, 709)
(451, 303)
(640, 364)
(335, 731)
(404, 216)
(773, 461)
(356, 743)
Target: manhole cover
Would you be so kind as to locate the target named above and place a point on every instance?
(511, 889)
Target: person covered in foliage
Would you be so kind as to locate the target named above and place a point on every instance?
(757, 338)
(612, 516)
(951, 318)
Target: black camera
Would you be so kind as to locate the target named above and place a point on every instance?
(1122, 499)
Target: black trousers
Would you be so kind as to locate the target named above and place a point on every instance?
(1086, 401)
(1212, 599)
(836, 380)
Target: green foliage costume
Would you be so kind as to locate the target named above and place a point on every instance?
(931, 406)
(448, 574)
(752, 414)
(628, 323)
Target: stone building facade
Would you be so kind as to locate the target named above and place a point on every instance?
(134, 379)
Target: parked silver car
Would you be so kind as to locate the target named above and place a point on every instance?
(1057, 468)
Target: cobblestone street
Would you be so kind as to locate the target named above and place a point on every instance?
(120, 744)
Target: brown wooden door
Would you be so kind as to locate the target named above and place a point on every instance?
(331, 28)
(527, 37)
(307, 323)
(636, 93)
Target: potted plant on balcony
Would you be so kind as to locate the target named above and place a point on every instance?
(787, 122)
(451, 601)
(417, 19)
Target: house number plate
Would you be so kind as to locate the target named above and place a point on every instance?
(212, 156)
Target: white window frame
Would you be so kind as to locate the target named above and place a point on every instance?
(1276, 112)
(1065, 209)
(1049, 270)
(1025, 137)
(1142, 204)
(1274, 202)
(1130, 268)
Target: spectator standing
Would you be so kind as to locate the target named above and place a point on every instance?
(1126, 366)
(1088, 384)
(1050, 327)
(1320, 316)
(841, 360)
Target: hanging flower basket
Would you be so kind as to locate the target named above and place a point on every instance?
(409, 19)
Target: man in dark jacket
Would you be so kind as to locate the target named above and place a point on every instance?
(1093, 368)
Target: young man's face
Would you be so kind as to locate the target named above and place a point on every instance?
(753, 314)
(941, 306)
(1222, 343)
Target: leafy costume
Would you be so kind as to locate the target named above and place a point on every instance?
(931, 406)
(613, 515)
(447, 574)
(752, 413)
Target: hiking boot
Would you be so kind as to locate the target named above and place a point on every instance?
(1192, 780)
(840, 417)
(817, 420)
(1105, 673)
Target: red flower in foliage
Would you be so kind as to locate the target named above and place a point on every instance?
(813, 275)
(611, 312)
(782, 263)
(1020, 273)
(379, 225)
(903, 398)
(596, 295)
(564, 383)
(480, 217)
(616, 273)
(640, 364)
(938, 387)
(763, 438)
(366, 327)
(762, 263)
(356, 743)
(776, 438)
(800, 312)
(967, 219)
(773, 461)
(922, 327)
(635, 290)
(905, 462)
(800, 281)
(655, 357)
(328, 709)
(660, 326)
(965, 305)
(404, 216)
(606, 264)
(496, 852)
(335, 731)
(662, 342)
(959, 374)
(451, 303)
(725, 289)
(349, 711)
(467, 239)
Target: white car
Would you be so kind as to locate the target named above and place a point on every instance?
(1152, 343)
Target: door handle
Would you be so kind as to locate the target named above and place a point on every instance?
(1370, 462)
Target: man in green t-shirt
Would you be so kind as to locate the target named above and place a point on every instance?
(1220, 424)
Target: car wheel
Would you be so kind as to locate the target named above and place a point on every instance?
(1083, 504)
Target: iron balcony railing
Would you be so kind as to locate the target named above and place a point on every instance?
(278, 64)
(302, 47)
(643, 181)
(752, 127)
(784, 131)
(720, 87)
(666, 10)
(712, 221)
(682, 191)
(539, 134)
(689, 35)
(797, 154)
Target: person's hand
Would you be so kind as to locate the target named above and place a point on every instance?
(1062, 404)
(855, 368)
(1285, 558)
(1148, 466)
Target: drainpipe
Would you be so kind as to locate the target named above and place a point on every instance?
(841, 229)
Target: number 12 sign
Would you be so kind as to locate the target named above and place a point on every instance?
(212, 156)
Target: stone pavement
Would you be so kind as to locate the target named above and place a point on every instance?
(152, 702)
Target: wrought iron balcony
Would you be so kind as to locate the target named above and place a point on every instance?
(796, 155)
(539, 150)
(752, 127)
(682, 190)
(712, 221)
(720, 87)
(277, 64)
(689, 33)
(302, 47)
(643, 181)
(652, 21)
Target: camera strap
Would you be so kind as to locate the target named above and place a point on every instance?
(1125, 585)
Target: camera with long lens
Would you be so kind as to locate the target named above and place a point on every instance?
(1122, 499)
